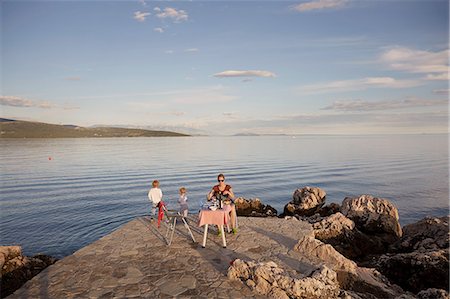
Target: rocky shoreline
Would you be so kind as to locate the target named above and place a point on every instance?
(16, 268)
(353, 250)
(365, 232)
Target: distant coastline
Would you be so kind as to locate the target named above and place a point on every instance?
(10, 128)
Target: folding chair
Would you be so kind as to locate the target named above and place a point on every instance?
(172, 217)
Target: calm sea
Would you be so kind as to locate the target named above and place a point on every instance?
(58, 195)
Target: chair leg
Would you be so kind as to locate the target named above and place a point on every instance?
(173, 230)
(188, 228)
(169, 227)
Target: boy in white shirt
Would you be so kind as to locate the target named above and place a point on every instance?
(155, 196)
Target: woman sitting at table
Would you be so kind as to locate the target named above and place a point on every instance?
(224, 194)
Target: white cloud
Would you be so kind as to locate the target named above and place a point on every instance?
(441, 91)
(360, 105)
(249, 73)
(438, 77)
(14, 101)
(22, 102)
(191, 50)
(400, 122)
(169, 51)
(434, 64)
(140, 16)
(319, 5)
(143, 2)
(172, 13)
(158, 29)
(358, 84)
(334, 123)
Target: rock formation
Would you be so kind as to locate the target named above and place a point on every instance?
(417, 270)
(253, 208)
(430, 233)
(16, 268)
(349, 275)
(372, 215)
(433, 294)
(341, 232)
(305, 202)
(367, 229)
(333, 226)
(270, 280)
(419, 260)
(329, 209)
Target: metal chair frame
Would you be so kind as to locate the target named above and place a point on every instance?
(172, 217)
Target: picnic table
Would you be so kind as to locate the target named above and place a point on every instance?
(217, 217)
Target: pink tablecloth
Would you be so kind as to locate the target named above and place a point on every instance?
(217, 217)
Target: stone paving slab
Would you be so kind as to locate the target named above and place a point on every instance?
(135, 262)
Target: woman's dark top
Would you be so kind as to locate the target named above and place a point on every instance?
(217, 191)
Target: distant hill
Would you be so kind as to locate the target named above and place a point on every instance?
(4, 120)
(24, 129)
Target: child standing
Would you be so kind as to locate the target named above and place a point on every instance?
(155, 196)
(183, 202)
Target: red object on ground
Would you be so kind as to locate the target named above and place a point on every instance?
(49, 158)
(161, 206)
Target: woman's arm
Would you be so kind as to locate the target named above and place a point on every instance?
(210, 194)
(230, 193)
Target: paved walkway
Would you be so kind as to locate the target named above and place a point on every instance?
(135, 262)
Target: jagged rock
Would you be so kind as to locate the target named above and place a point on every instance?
(351, 295)
(417, 270)
(268, 279)
(419, 260)
(406, 296)
(433, 294)
(349, 275)
(333, 226)
(329, 209)
(414, 271)
(430, 233)
(311, 219)
(17, 269)
(374, 216)
(305, 201)
(253, 208)
(8, 253)
(340, 232)
(320, 251)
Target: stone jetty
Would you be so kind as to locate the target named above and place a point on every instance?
(353, 250)
(135, 262)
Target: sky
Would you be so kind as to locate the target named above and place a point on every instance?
(229, 67)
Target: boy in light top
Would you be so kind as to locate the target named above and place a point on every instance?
(183, 202)
(155, 196)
